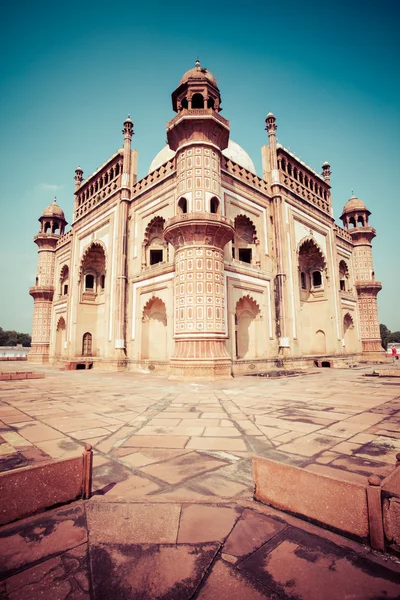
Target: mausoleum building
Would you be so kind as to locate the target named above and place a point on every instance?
(203, 268)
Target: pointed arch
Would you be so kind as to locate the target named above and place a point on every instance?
(154, 228)
(245, 228)
(308, 245)
(348, 320)
(154, 245)
(245, 240)
(95, 246)
(61, 323)
(150, 304)
(246, 302)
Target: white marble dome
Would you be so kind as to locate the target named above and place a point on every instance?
(233, 151)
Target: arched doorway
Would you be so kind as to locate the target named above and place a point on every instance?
(60, 336)
(349, 334)
(154, 330)
(246, 316)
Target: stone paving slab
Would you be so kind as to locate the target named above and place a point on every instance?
(182, 551)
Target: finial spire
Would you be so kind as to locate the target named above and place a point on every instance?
(326, 172)
(128, 127)
(55, 200)
(197, 63)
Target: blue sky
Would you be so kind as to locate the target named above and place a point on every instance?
(71, 72)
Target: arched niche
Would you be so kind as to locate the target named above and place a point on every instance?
(349, 333)
(64, 280)
(155, 248)
(245, 240)
(247, 338)
(311, 269)
(154, 330)
(60, 337)
(343, 276)
(92, 272)
(319, 342)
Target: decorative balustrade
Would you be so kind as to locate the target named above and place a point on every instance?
(100, 185)
(204, 112)
(154, 177)
(304, 182)
(342, 233)
(64, 238)
(199, 216)
(244, 175)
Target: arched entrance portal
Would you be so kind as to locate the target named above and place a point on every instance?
(246, 316)
(154, 330)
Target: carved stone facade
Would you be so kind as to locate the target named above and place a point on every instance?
(202, 268)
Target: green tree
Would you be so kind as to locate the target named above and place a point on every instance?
(385, 333)
(12, 338)
(389, 337)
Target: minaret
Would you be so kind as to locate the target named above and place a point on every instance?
(52, 226)
(326, 172)
(78, 182)
(355, 220)
(120, 342)
(280, 281)
(198, 231)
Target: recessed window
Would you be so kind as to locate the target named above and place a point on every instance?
(89, 282)
(102, 281)
(156, 256)
(245, 255)
(342, 285)
(303, 281)
(214, 205)
(317, 279)
(182, 205)
(65, 290)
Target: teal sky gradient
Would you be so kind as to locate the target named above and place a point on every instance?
(71, 72)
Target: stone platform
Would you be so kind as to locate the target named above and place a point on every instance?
(173, 509)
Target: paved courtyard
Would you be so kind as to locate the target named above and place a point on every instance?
(172, 514)
(187, 439)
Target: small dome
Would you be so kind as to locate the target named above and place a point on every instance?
(198, 72)
(233, 151)
(239, 156)
(162, 157)
(53, 210)
(354, 204)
